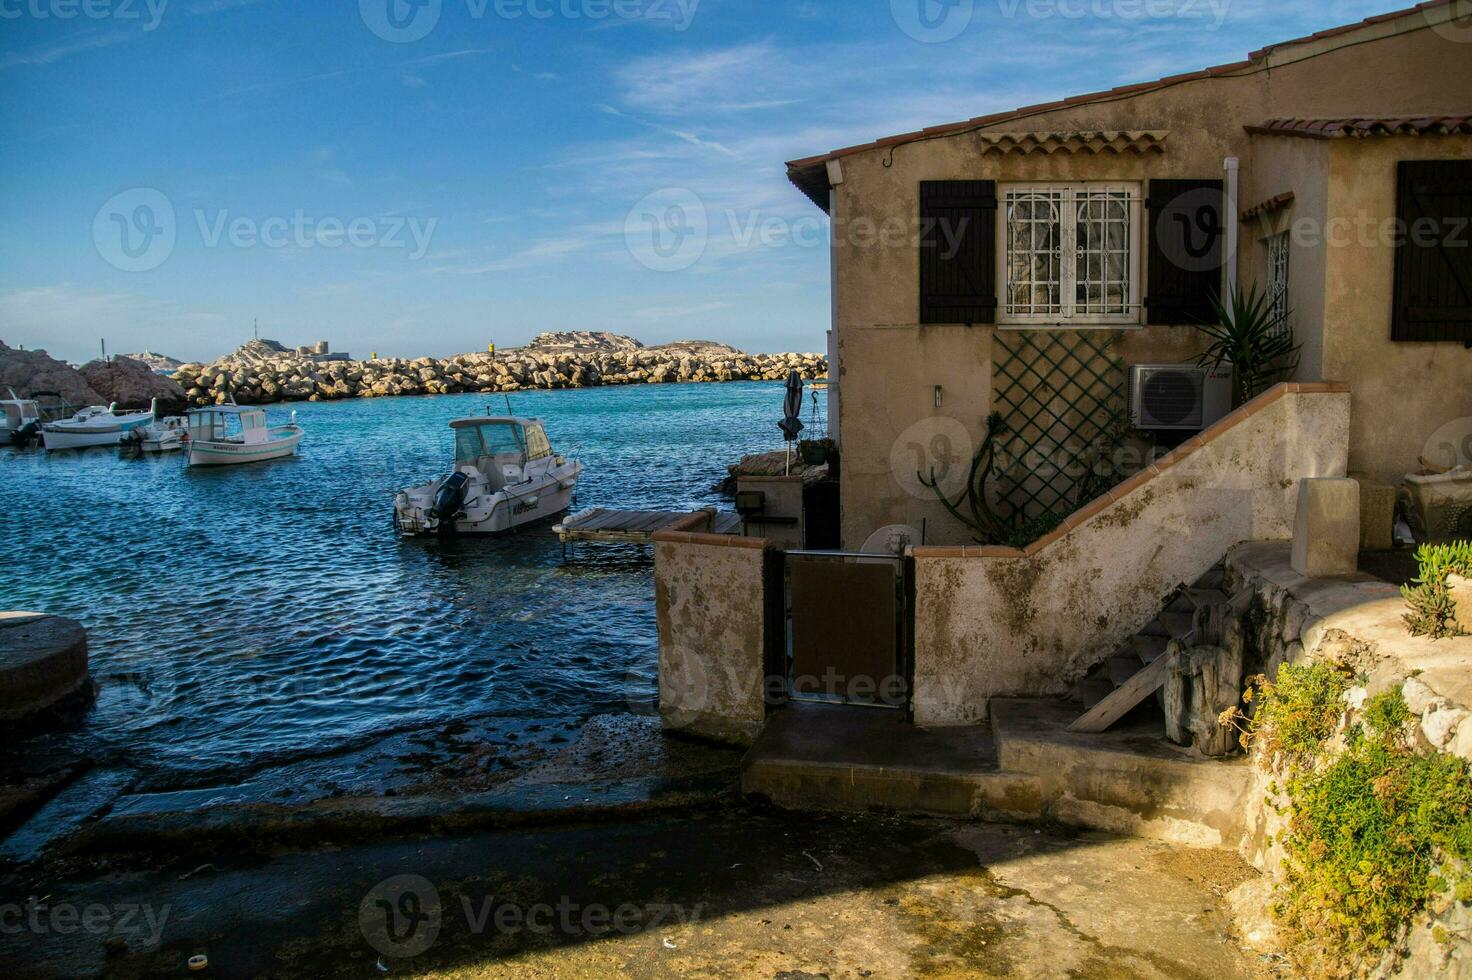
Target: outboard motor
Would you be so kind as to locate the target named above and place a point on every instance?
(27, 434)
(450, 500)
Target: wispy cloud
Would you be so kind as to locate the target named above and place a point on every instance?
(51, 54)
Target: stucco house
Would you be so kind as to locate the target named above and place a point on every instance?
(1034, 266)
(1022, 262)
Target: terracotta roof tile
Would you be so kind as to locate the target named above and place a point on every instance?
(1326, 129)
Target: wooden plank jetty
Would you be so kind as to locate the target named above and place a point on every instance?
(638, 526)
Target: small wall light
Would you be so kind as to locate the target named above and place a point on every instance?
(937, 396)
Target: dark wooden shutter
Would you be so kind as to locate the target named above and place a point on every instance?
(1184, 257)
(958, 246)
(1433, 251)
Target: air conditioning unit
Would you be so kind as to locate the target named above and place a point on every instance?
(1179, 396)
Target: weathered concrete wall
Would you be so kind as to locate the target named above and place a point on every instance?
(1403, 392)
(710, 602)
(1299, 167)
(1354, 620)
(992, 622)
(876, 281)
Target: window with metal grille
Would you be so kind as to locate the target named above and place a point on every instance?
(1278, 275)
(1067, 254)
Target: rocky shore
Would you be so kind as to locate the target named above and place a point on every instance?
(259, 375)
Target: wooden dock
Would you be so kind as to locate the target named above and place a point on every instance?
(639, 526)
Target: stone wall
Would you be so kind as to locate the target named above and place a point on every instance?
(1354, 620)
(711, 597)
(996, 622)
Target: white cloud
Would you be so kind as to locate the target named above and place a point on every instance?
(72, 322)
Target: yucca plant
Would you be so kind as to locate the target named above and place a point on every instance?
(1252, 337)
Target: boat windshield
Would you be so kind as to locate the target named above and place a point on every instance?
(475, 442)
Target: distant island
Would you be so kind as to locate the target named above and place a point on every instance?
(265, 371)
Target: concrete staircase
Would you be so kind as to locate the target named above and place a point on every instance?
(1023, 766)
(1111, 769)
(1140, 667)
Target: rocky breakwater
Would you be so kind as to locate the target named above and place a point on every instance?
(133, 384)
(558, 360)
(33, 372)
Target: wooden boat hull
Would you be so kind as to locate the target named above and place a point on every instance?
(203, 453)
(90, 437)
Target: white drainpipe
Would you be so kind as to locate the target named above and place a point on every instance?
(1230, 166)
(835, 177)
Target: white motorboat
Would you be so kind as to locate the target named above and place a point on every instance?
(163, 436)
(505, 475)
(95, 426)
(20, 420)
(228, 435)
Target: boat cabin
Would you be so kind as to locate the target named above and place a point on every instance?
(504, 450)
(229, 423)
(19, 413)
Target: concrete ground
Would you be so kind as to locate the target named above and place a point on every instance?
(729, 890)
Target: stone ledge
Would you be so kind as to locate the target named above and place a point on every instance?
(43, 660)
(712, 540)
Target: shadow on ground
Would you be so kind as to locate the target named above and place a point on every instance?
(733, 890)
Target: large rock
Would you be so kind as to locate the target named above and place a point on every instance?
(32, 371)
(158, 362)
(133, 384)
(582, 340)
(43, 659)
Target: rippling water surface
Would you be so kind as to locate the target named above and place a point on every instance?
(254, 614)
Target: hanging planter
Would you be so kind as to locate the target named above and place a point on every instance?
(814, 452)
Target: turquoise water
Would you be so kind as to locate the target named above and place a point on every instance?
(253, 615)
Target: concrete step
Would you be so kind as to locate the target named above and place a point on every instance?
(1205, 597)
(1177, 625)
(1148, 649)
(1093, 689)
(1212, 579)
(1127, 780)
(816, 757)
(1121, 669)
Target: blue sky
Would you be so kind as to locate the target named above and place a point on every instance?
(425, 176)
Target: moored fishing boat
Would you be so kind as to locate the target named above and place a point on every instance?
(505, 475)
(163, 436)
(20, 420)
(95, 426)
(229, 435)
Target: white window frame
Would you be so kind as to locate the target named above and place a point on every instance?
(1067, 270)
(1279, 269)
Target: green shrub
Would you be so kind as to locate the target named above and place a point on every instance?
(1297, 713)
(1372, 833)
(1432, 612)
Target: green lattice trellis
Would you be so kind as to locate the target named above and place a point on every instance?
(1061, 395)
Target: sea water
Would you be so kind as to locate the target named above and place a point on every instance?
(249, 615)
